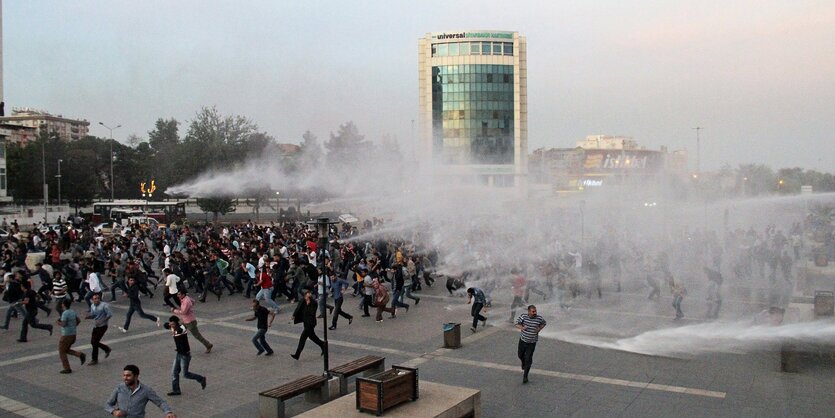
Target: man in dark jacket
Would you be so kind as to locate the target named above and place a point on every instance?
(306, 313)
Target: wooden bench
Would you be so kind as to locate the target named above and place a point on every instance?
(368, 364)
(271, 402)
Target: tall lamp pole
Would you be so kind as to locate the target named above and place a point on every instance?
(59, 181)
(112, 181)
(45, 186)
(323, 229)
(698, 151)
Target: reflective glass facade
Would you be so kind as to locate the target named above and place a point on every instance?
(473, 114)
(454, 49)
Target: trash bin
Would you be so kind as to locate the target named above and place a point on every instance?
(824, 303)
(452, 335)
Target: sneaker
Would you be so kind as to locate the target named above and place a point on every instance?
(203, 383)
(365, 316)
(379, 321)
(525, 379)
(66, 371)
(295, 357)
(472, 329)
(209, 350)
(83, 358)
(351, 319)
(417, 301)
(332, 327)
(107, 353)
(174, 393)
(158, 323)
(259, 353)
(269, 353)
(124, 331)
(93, 363)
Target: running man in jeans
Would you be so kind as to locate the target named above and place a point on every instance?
(265, 281)
(480, 301)
(183, 358)
(135, 305)
(265, 320)
(100, 313)
(530, 324)
(338, 287)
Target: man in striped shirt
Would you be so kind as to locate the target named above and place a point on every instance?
(530, 324)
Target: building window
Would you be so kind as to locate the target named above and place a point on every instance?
(453, 50)
(508, 48)
(2, 179)
(485, 48)
(475, 48)
(497, 48)
(434, 50)
(443, 50)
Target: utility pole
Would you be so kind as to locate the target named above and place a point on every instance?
(698, 151)
(112, 182)
(45, 186)
(59, 181)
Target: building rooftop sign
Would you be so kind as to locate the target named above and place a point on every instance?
(472, 35)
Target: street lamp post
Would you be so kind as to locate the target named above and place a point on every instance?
(59, 181)
(278, 205)
(323, 229)
(45, 186)
(112, 181)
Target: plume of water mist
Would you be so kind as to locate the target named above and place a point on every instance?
(691, 340)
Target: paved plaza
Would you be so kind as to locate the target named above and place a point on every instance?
(567, 379)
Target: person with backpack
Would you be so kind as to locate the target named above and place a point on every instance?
(381, 300)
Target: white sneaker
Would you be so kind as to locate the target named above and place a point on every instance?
(158, 324)
(124, 331)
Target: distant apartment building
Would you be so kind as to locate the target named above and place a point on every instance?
(40, 121)
(4, 192)
(600, 161)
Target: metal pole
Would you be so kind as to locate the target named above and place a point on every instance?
(323, 243)
(112, 180)
(45, 186)
(698, 151)
(59, 181)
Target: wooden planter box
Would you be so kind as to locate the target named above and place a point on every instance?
(382, 391)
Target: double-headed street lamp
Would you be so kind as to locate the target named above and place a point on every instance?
(112, 157)
(59, 181)
(323, 229)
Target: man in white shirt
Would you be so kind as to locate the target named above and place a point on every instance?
(171, 281)
(94, 286)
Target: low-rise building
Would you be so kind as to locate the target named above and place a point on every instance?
(41, 121)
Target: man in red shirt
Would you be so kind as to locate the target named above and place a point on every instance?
(265, 281)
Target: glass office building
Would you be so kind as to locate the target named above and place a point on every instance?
(473, 105)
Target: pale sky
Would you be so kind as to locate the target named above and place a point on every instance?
(759, 76)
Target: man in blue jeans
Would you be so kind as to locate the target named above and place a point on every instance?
(265, 319)
(181, 362)
(480, 301)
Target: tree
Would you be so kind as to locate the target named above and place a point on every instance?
(311, 150)
(346, 146)
(216, 205)
(217, 141)
(78, 187)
